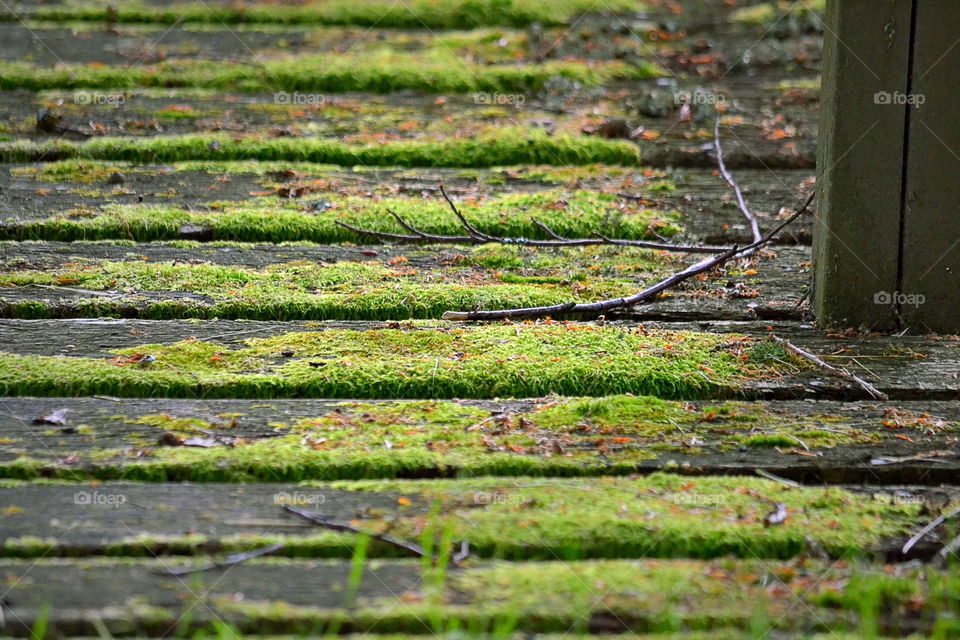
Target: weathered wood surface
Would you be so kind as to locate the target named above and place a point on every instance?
(774, 292)
(306, 597)
(904, 367)
(931, 231)
(708, 213)
(861, 159)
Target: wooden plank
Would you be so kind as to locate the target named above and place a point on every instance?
(860, 160)
(126, 519)
(773, 290)
(930, 287)
(111, 438)
(307, 597)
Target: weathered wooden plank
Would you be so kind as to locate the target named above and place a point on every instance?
(808, 441)
(773, 289)
(930, 286)
(126, 519)
(860, 159)
(307, 597)
(708, 213)
(905, 367)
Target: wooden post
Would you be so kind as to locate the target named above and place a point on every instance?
(887, 237)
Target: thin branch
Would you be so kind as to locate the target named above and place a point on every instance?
(618, 303)
(927, 529)
(769, 476)
(475, 236)
(230, 561)
(463, 220)
(741, 202)
(319, 521)
(829, 368)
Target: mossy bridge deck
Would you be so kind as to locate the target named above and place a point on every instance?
(190, 344)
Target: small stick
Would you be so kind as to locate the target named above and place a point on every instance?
(318, 520)
(769, 476)
(874, 393)
(741, 202)
(618, 303)
(230, 561)
(927, 529)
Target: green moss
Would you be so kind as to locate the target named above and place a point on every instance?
(374, 72)
(450, 361)
(496, 147)
(459, 14)
(767, 13)
(269, 219)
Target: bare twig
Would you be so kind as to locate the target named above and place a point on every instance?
(320, 521)
(475, 236)
(927, 529)
(230, 561)
(874, 393)
(769, 476)
(741, 202)
(618, 303)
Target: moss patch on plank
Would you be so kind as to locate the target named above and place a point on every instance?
(450, 14)
(314, 218)
(374, 72)
(494, 148)
(527, 360)
(560, 437)
(490, 277)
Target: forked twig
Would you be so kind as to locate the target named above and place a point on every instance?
(618, 303)
(475, 236)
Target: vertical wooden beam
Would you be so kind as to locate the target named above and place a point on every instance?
(860, 161)
(930, 278)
